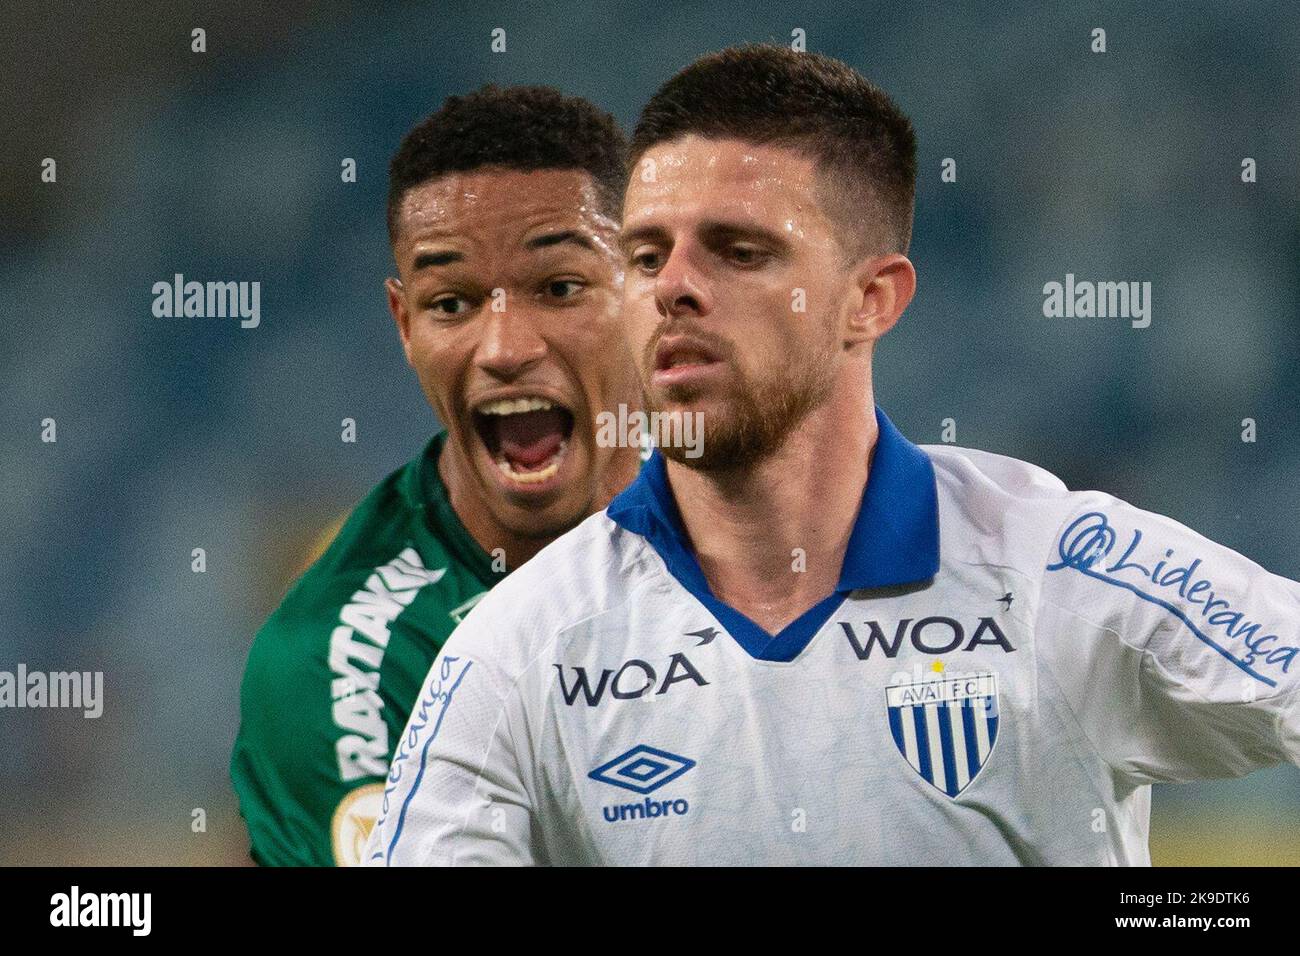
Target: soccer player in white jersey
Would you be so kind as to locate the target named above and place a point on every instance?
(815, 642)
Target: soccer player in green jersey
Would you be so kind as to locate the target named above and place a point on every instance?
(502, 213)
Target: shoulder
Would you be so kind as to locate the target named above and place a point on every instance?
(378, 530)
(583, 573)
(369, 573)
(971, 469)
(378, 537)
(995, 509)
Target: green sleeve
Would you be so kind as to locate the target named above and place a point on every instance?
(314, 744)
(282, 766)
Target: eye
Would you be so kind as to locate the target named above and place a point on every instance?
(745, 254)
(646, 259)
(564, 288)
(449, 305)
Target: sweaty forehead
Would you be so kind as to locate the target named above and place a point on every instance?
(711, 175)
(501, 207)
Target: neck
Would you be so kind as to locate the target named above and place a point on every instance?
(771, 538)
(490, 534)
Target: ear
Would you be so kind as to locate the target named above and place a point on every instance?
(885, 286)
(402, 317)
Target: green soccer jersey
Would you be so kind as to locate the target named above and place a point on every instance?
(334, 672)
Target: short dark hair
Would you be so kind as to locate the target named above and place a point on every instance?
(863, 144)
(518, 127)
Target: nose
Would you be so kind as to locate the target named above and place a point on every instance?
(680, 289)
(510, 344)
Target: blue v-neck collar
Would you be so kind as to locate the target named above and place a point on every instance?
(895, 539)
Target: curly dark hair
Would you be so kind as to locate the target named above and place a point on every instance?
(518, 127)
(863, 144)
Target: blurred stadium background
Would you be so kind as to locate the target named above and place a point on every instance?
(182, 433)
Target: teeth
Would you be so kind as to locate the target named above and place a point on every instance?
(533, 477)
(513, 406)
(528, 477)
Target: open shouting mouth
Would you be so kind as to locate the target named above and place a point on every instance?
(526, 438)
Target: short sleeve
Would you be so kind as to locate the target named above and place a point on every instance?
(1177, 656)
(282, 765)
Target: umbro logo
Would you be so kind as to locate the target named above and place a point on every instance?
(642, 769)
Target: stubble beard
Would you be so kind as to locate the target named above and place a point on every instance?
(755, 418)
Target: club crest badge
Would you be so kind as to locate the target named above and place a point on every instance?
(354, 818)
(945, 726)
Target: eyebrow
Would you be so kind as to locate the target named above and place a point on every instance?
(717, 230)
(445, 257)
(439, 258)
(556, 238)
(713, 229)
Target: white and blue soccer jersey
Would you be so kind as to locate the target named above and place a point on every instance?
(1004, 669)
